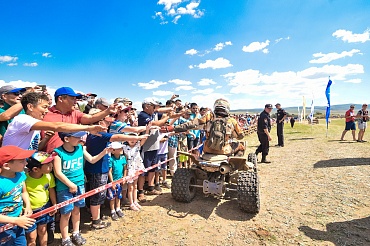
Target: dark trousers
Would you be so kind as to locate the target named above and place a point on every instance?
(292, 123)
(280, 133)
(264, 144)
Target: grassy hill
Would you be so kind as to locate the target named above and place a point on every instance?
(339, 109)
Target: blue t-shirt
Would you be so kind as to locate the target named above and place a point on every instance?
(117, 126)
(117, 166)
(144, 118)
(95, 145)
(11, 201)
(196, 132)
(72, 167)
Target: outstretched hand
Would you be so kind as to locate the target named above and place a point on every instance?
(97, 128)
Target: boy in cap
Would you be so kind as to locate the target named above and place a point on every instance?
(13, 195)
(40, 185)
(117, 163)
(68, 169)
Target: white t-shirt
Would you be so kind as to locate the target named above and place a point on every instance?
(19, 131)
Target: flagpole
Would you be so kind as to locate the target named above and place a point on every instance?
(327, 93)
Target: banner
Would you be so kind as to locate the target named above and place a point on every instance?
(312, 111)
(327, 93)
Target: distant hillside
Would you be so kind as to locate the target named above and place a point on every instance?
(339, 109)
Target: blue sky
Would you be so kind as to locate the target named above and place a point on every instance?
(250, 52)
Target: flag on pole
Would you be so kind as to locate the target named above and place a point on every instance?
(304, 109)
(299, 115)
(327, 93)
(312, 111)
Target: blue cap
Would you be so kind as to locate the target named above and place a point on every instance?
(80, 134)
(66, 91)
(10, 89)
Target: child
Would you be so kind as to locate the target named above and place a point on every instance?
(134, 164)
(13, 195)
(40, 185)
(68, 169)
(162, 157)
(117, 162)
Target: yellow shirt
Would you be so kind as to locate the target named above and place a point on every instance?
(38, 189)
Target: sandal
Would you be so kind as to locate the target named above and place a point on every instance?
(138, 205)
(133, 207)
(99, 224)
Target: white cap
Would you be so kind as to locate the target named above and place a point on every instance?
(116, 145)
(150, 100)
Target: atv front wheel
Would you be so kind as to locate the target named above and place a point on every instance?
(181, 187)
(248, 192)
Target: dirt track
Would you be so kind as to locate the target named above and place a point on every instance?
(316, 192)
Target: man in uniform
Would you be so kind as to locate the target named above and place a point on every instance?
(263, 132)
(280, 118)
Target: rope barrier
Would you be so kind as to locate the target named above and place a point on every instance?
(93, 192)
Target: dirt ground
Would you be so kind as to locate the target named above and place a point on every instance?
(316, 192)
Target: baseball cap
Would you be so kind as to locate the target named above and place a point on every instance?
(126, 109)
(364, 104)
(66, 91)
(10, 89)
(126, 99)
(150, 100)
(102, 101)
(10, 152)
(278, 104)
(80, 134)
(40, 158)
(91, 94)
(268, 105)
(116, 145)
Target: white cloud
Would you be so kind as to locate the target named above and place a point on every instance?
(204, 92)
(180, 82)
(206, 82)
(46, 54)
(191, 66)
(348, 36)
(208, 101)
(326, 58)
(265, 51)
(215, 64)
(185, 88)
(175, 9)
(12, 64)
(153, 84)
(8, 59)
(191, 52)
(31, 64)
(295, 84)
(18, 83)
(280, 39)
(354, 81)
(162, 93)
(220, 46)
(176, 19)
(218, 87)
(256, 46)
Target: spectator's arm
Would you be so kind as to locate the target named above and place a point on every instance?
(11, 112)
(87, 119)
(95, 159)
(65, 127)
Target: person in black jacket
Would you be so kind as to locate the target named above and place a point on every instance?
(280, 118)
(263, 132)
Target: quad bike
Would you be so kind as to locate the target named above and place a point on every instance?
(218, 173)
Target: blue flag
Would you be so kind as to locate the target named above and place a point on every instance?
(327, 93)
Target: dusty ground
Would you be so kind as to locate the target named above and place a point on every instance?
(316, 192)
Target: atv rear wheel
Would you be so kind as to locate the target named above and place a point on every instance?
(248, 192)
(181, 187)
(252, 157)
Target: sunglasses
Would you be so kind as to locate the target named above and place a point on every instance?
(15, 93)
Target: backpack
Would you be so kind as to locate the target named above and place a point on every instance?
(217, 133)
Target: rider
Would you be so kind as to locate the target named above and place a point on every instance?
(230, 130)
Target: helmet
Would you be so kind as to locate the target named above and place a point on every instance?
(221, 107)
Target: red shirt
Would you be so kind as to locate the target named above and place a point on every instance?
(55, 115)
(350, 113)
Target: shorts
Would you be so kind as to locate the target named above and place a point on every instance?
(350, 126)
(96, 180)
(13, 237)
(162, 158)
(65, 195)
(183, 158)
(150, 159)
(362, 125)
(117, 193)
(42, 220)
